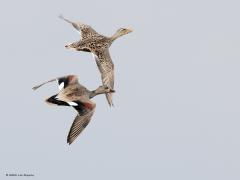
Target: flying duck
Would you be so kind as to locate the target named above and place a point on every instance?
(73, 94)
(98, 45)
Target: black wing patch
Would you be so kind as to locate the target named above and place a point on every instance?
(53, 100)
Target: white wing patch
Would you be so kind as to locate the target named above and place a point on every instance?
(72, 103)
(94, 56)
(61, 86)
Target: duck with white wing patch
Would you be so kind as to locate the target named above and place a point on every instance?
(73, 94)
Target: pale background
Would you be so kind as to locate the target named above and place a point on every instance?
(177, 101)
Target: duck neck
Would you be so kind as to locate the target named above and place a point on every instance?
(115, 36)
(98, 91)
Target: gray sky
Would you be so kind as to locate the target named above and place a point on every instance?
(176, 112)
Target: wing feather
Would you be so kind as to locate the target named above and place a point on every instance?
(80, 122)
(85, 30)
(106, 68)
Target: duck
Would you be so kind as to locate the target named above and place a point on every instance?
(73, 94)
(97, 44)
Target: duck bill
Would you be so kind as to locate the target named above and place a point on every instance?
(112, 91)
(129, 30)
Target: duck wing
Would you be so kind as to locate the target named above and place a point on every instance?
(84, 30)
(63, 82)
(85, 112)
(106, 68)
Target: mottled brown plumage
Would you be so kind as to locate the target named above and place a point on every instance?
(77, 96)
(98, 44)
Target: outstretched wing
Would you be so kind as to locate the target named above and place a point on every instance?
(85, 30)
(63, 82)
(85, 112)
(106, 68)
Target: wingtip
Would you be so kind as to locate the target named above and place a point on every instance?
(34, 88)
(60, 16)
(69, 142)
(110, 104)
(109, 99)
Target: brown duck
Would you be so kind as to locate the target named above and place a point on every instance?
(91, 41)
(75, 95)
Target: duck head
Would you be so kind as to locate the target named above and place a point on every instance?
(104, 89)
(101, 90)
(120, 32)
